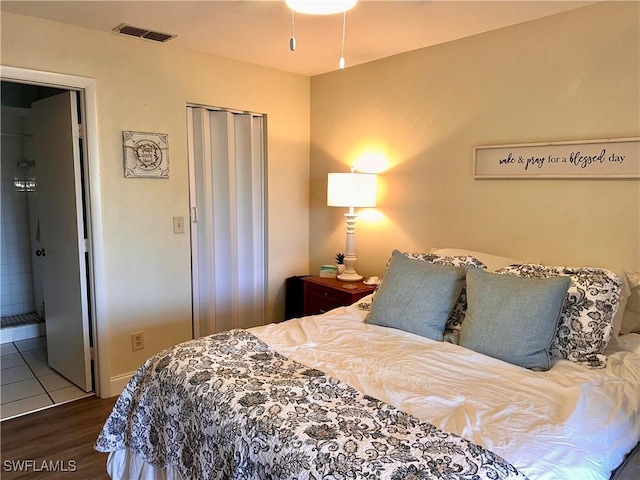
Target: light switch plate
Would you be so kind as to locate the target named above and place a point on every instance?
(178, 224)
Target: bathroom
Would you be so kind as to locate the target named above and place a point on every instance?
(28, 382)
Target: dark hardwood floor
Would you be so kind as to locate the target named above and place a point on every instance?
(61, 437)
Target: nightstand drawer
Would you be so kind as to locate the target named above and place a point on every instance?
(319, 304)
(322, 291)
(324, 294)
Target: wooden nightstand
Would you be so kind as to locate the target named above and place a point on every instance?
(323, 294)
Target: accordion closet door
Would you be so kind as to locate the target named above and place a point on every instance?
(227, 199)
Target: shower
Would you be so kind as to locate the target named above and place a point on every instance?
(22, 296)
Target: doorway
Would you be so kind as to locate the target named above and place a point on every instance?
(36, 354)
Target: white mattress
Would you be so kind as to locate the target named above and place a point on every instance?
(567, 423)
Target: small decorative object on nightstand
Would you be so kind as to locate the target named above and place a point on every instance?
(324, 294)
(340, 263)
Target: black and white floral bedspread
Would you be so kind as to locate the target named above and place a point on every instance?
(229, 407)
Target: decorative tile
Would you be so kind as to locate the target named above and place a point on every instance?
(146, 154)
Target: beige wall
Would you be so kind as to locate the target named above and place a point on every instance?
(568, 77)
(145, 87)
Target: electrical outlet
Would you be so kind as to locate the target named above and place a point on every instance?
(137, 341)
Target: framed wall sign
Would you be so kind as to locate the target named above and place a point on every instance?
(612, 158)
(146, 155)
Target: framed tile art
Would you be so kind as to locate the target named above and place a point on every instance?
(146, 155)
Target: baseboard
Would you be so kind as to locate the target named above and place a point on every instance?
(117, 384)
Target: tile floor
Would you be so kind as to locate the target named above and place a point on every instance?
(28, 384)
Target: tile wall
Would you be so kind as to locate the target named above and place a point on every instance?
(16, 280)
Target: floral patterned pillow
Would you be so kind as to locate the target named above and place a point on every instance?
(586, 320)
(460, 308)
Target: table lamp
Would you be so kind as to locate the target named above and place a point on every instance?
(351, 190)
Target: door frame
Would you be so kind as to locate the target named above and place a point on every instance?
(86, 89)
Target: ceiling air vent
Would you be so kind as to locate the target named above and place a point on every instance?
(125, 29)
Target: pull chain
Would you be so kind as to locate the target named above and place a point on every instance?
(344, 28)
(292, 40)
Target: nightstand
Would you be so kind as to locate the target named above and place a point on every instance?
(322, 294)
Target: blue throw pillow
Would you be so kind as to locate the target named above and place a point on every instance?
(512, 318)
(416, 296)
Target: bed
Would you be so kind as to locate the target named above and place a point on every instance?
(344, 395)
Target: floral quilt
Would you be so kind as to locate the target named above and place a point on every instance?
(229, 407)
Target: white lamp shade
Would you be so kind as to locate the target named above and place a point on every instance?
(321, 7)
(351, 190)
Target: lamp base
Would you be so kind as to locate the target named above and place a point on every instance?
(349, 277)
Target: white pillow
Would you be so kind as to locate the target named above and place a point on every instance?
(631, 314)
(624, 296)
(493, 262)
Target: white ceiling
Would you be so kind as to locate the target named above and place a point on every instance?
(258, 31)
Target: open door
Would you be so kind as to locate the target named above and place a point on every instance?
(62, 234)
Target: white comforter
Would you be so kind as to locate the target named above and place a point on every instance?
(567, 423)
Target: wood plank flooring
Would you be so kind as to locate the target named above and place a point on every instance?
(62, 437)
